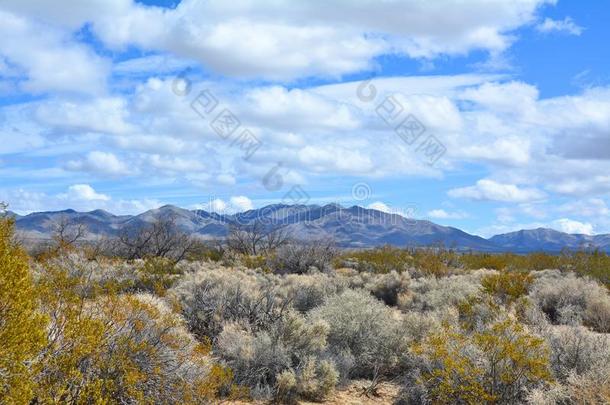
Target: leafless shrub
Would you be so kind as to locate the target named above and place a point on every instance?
(67, 233)
(256, 238)
(161, 238)
(301, 257)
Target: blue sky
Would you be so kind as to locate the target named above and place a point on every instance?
(504, 108)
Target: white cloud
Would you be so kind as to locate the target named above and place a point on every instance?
(409, 211)
(380, 206)
(216, 205)
(593, 207)
(442, 214)
(49, 58)
(491, 190)
(174, 164)
(566, 25)
(241, 203)
(572, 226)
(107, 115)
(285, 41)
(97, 162)
(295, 109)
(234, 205)
(79, 197)
(84, 192)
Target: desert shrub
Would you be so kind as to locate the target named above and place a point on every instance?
(495, 365)
(308, 291)
(300, 258)
(95, 276)
(122, 348)
(314, 381)
(507, 286)
(576, 350)
(253, 262)
(594, 264)
(102, 275)
(210, 297)
(511, 261)
(417, 325)
(568, 299)
(436, 262)
(205, 251)
(284, 361)
(379, 260)
(366, 329)
(387, 287)
(476, 261)
(22, 333)
(475, 313)
(430, 293)
(580, 360)
(156, 275)
(162, 237)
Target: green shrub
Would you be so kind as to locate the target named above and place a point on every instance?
(507, 286)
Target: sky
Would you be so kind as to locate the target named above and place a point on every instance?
(486, 115)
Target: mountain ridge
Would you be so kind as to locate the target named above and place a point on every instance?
(350, 227)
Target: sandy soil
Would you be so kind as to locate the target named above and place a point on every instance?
(350, 395)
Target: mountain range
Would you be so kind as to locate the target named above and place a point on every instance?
(353, 227)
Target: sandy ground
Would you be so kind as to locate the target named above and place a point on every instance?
(350, 395)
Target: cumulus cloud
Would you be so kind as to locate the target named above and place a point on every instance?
(84, 192)
(409, 211)
(285, 41)
(491, 190)
(380, 206)
(567, 25)
(241, 203)
(234, 205)
(571, 226)
(49, 58)
(442, 214)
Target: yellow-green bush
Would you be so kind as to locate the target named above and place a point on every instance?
(507, 286)
(379, 260)
(157, 275)
(22, 333)
(495, 365)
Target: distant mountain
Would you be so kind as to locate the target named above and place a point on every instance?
(350, 227)
(549, 240)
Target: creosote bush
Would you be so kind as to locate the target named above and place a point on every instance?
(507, 286)
(495, 365)
(125, 348)
(22, 326)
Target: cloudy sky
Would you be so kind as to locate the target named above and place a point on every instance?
(487, 115)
